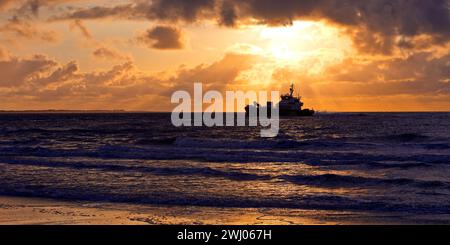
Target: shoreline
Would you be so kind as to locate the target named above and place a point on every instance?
(43, 211)
(39, 211)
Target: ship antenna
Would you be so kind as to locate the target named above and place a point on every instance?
(292, 88)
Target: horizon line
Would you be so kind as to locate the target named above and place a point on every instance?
(144, 111)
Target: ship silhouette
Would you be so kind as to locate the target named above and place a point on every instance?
(289, 105)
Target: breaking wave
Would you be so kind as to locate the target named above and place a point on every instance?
(339, 181)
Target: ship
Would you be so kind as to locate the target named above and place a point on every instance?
(289, 105)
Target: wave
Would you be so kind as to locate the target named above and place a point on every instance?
(224, 143)
(437, 146)
(169, 140)
(112, 130)
(242, 155)
(161, 171)
(306, 201)
(325, 180)
(407, 137)
(413, 140)
(339, 181)
(258, 144)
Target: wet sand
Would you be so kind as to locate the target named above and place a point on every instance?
(23, 210)
(20, 210)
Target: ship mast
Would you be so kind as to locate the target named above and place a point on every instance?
(291, 90)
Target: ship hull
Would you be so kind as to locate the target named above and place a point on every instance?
(299, 113)
(289, 113)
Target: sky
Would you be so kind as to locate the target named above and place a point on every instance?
(341, 55)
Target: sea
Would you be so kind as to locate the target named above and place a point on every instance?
(378, 163)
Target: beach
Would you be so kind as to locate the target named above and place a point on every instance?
(40, 211)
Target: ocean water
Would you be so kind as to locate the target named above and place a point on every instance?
(369, 162)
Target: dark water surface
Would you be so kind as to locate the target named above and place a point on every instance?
(375, 162)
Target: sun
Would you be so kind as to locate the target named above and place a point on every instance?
(310, 46)
(303, 50)
(284, 43)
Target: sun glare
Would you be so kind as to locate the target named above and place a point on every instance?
(284, 43)
(303, 40)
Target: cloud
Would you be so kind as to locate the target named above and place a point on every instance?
(17, 72)
(4, 53)
(416, 75)
(175, 10)
(163, 37)
(164, 10)
(125, 11)
(42, 79)
(101, 50)
(417, 82)
(215, 76)
(107, 53)
(78, 24)
(5, 3)
(27, 30)
(228, 15)
(43, 82)
(375, 25)
(31, 7)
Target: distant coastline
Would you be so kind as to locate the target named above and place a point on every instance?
(63, 111)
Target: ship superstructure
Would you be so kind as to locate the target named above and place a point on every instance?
(289, 105)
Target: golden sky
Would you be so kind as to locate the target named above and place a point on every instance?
(342, 55)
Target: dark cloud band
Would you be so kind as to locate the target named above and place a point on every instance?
(377, 25)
